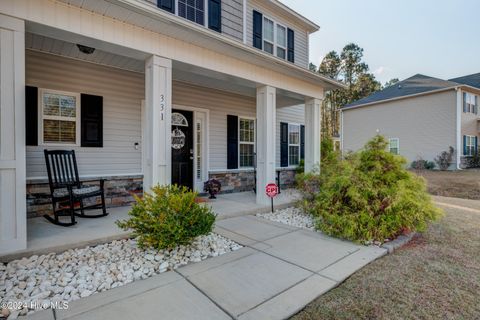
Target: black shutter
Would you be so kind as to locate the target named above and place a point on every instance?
(283, 144)
(167, 5)
(302, 142)
(215, 15)
(291, 45)
(232, 142)
(31, 116)
(257, 29)
(92, 121)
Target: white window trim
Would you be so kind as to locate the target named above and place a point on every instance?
(250, 143)
(470, 102)
(275, 44)
(470, 144)
(41, 117)
(205, 13)
(294, 144)
(390, 145)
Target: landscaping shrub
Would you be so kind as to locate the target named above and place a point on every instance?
(444, 159)
(369, 196)
(421, 164)
(167, 217)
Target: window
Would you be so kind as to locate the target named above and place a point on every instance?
(469, 145)
(268, 35)
(281, 41)
(274, 38)
(246, 142)
(293, 144)
(394, 146)
(59, 117)
(469, 103)
(193, 10)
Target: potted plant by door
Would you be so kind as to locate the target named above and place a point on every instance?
(213, 187)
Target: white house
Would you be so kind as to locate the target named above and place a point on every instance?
(151, 92)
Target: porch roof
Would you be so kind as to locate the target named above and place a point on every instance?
(148, 16)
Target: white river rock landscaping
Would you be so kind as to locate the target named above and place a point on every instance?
(78, 273)
(291, 216)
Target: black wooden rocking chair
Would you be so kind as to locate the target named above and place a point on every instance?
(66, 188)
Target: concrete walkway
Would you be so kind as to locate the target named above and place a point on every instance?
(279, 271)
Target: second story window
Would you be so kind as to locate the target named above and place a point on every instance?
(470, 103)
(272, 37)
(193, 10)
(196, 11)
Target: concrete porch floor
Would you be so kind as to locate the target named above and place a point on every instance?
(44, 237)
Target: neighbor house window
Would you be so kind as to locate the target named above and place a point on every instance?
(470, 103)
(293, 144)
(59, 117)
(246, 142)
(394, 146)
(274, 38)
(470, 145)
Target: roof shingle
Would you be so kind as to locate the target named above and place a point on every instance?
(419, 83)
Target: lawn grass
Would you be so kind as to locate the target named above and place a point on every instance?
(436, 276)
(459, 184)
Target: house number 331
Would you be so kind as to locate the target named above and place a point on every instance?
(162, 106)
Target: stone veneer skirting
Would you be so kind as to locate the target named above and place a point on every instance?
(244, 180)
(119, 190)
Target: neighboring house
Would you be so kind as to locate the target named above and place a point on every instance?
(153, 92)
(420, 116)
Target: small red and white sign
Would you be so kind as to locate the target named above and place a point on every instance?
(271, 190)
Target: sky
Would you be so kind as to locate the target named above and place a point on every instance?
(439, 38)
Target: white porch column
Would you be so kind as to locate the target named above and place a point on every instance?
(13, 214)
(158, 109)
(313, 127)
(266, 122)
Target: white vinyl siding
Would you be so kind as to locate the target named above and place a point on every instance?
(122, 93)
(425, 125)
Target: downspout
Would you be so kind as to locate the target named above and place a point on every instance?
(459, 127)
(341, 133)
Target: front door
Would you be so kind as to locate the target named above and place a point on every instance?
(182, 148)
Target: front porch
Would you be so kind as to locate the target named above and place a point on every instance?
(131, 141)
(44, 237)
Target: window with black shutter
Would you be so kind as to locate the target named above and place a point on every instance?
(283, 144)
(302, 142)
(257, 29)
(91, 121)
(167, 5)
(232, 142)
(31, 116)
(291, 45)
(215, 15)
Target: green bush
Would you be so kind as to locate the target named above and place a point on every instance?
(369, 196)
(421, 164)
(167, 217)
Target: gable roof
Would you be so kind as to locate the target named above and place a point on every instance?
(417, 84)
(472, 80)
